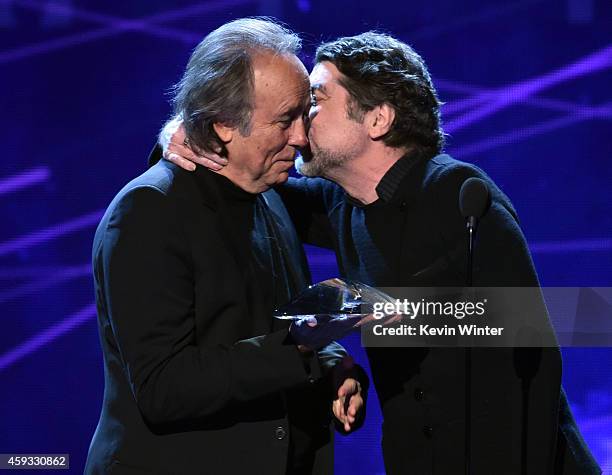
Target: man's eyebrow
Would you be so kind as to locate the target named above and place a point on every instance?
(319, 87)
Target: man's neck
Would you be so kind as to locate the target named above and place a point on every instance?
(360, 176)
(242, 180)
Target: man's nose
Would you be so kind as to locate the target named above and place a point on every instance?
(298, 137)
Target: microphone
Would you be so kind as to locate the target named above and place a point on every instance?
(474, 201)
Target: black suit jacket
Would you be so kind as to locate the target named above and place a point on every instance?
(196, 373)
(417, 238)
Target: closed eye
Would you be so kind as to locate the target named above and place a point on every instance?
(285, 123)
(313, 99)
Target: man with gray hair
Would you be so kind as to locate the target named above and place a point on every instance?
(199, 378)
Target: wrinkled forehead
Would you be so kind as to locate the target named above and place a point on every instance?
(279, 78)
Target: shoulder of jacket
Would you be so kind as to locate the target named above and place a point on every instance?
(446, 175)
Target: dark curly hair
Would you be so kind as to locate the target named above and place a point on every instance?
(377, 69)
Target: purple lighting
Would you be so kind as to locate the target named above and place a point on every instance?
(47, 336)
(577, 245)
(505, 97)
(478, 95)
(483, 15)
(45, 281)
(516, 135)
(58, 44)
(52, 232)
(24, 179)
(26, 272)
(115, 26)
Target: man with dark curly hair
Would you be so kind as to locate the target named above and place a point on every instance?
(389, 210)
(370, 73)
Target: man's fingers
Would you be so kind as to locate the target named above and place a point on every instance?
(208, 160)
(386, 319)
(367, 319)
(349, 387)
(354, 407)
(186, 159)
(355, 403)
(348, 403)
(179, 146)
(394, 319)
(208, 163)
(340, 414)
(338, 409)
(183, 151)
(218, 159)
(180, 161)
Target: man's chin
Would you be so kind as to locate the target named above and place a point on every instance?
(305, 168)
(279, 179)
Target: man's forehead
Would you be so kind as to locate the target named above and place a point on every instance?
(277, 67)
(279, 72)
(281, 85)
(323, 75)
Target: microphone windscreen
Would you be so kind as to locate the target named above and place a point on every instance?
(474, 197)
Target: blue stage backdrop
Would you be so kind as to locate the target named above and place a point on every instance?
(85, 89)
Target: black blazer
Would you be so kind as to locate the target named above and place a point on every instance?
(417, 239)
(194, 381)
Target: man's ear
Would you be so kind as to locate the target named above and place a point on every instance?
(380, 119)
(224, 132)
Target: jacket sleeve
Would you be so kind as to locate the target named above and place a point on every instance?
(148, 288)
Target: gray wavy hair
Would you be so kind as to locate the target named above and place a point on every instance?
(217, 86)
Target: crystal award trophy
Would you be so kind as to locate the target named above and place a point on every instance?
(329, 310)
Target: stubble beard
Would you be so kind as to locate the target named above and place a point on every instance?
(320, 162)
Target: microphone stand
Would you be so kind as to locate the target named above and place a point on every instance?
(471, 225)
(474, 199)
(526, 363)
